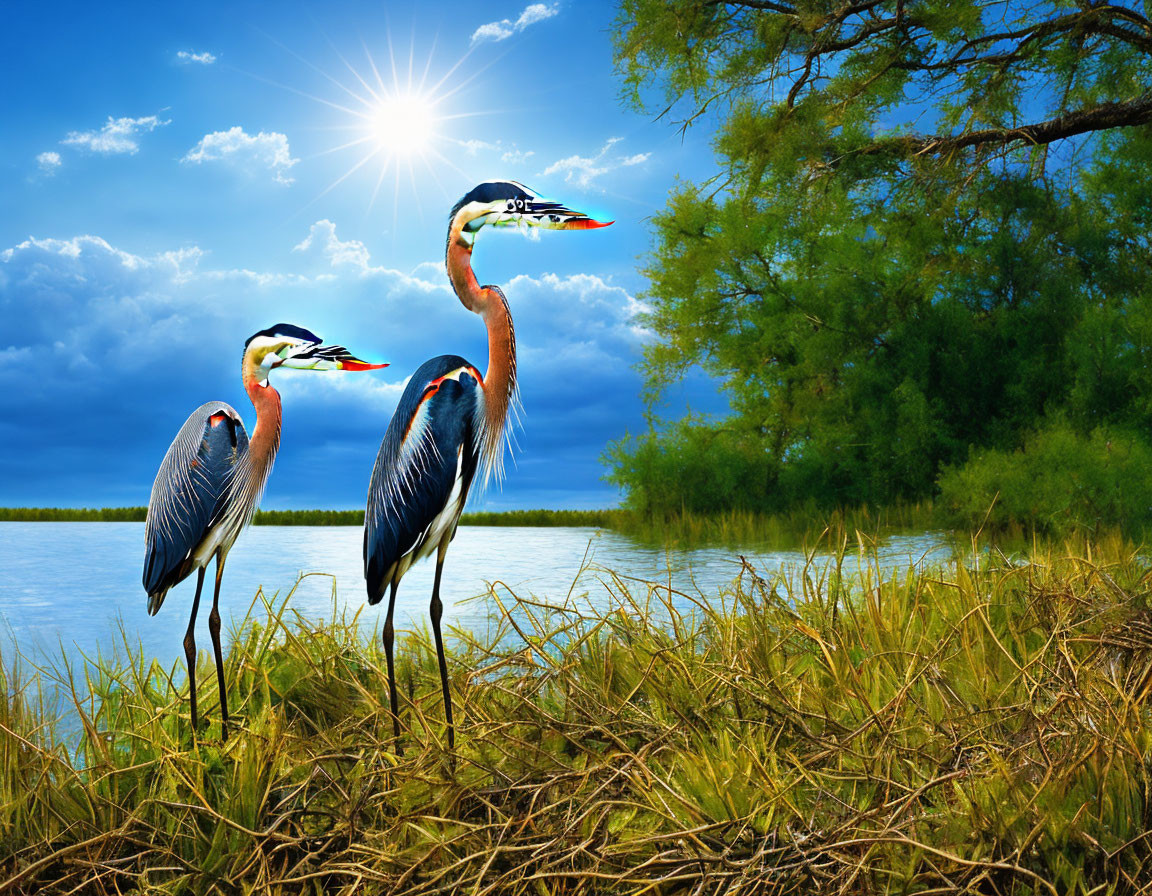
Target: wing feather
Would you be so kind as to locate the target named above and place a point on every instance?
(419, 463)
(190, 494)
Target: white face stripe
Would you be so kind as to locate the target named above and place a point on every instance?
(263, 352)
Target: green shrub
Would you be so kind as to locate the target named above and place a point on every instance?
(1058, 482)
(692, 467)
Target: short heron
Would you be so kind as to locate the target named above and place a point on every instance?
(213, 475)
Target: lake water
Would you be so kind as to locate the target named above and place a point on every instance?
(74, 585)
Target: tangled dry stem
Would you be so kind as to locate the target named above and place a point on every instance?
(981, 728)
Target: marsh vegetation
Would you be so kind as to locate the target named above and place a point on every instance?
(978, 726)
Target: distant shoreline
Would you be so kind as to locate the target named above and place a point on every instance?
(598, 518)
(732, 528)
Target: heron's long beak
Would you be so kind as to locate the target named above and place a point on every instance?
(327, 357)
(554, 216)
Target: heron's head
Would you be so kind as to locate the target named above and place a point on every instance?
(506, 203)
(286, 345)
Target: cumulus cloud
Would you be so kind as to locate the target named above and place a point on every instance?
(103, 341)
(474, 146)
(505, 28)
(582, 171)
(322, 239)
(512, 155)
(322, 246)
(262, 151)
(117, 137)
(187, 57)
(48, 162)
(579, 338)
(515, 156)
(107, 347)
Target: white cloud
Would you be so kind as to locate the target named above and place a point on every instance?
(324, 246)
(322, 239)
(377, 394)
(536, 12)
(563, 322)
(582, 170)
(117, 137)
(474, 146)
(186, 57)
(516, 156)
(433, 269)
(48, 162)
(268, 151)
(510, 154)
(513, 155)
(136, 341)
(505, 28)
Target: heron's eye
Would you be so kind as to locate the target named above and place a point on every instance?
(520, 204)
(511, 205)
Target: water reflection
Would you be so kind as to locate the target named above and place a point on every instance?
(76, 584)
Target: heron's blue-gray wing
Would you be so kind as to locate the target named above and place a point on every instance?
(190, 494)
(429, 447)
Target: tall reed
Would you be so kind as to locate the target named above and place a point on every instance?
(981, 727)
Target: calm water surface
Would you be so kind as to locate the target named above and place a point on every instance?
(76, 584)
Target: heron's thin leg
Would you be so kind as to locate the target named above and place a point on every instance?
(214, 628)
(436, 610)
(190, 646)
(389, 635)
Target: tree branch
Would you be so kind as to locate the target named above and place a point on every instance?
(1078, 121)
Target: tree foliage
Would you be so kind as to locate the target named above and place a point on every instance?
(928, 235)
(1060, 479)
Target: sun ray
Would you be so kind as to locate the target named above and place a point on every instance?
(372, 65)
(343, 146)
(416, 192)
(376, 189)
(307, 96)
(396, 205)
(392, 61)
(398, 113)
(434, 175)
(319, 71)
(447, 161)
(411, 54)
(355, 74)
(428, 61)
(343, 177)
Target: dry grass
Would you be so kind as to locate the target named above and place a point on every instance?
(979, 730)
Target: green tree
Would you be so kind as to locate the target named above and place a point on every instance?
(928, 232)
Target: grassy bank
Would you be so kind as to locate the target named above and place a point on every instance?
(802, 526)
(735, 528)
(961, 730)
(602, 518)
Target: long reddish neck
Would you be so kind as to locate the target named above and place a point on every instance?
(490, 304)
(265, 439)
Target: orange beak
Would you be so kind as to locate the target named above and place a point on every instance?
(355, 364)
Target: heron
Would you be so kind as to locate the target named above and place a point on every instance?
(212, 477)
(450, 423)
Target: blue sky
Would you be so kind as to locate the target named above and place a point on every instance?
(174, 177)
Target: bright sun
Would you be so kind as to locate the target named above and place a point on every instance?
(402, 125)
(395, 125)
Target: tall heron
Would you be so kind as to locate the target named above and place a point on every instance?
(450, 422)
(211, 480)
